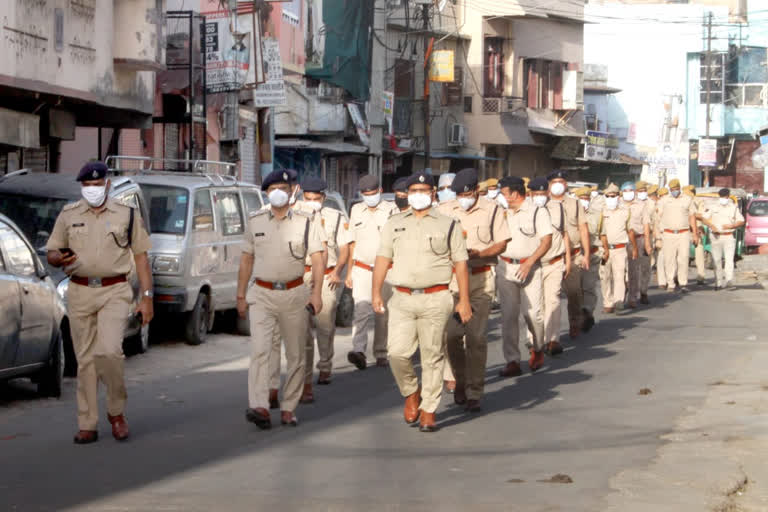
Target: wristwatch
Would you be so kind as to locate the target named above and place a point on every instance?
(148, 294)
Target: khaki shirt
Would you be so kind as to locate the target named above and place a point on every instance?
(482, 225)
(720, 215)
(594, 215)
(526, 228)
(281, 246)
(574, 218)
(100, 240)
(365, 229)
(674, 213)
(615, 225)
(333, 230)
(423, 250)
(640, 216)
(557, 215)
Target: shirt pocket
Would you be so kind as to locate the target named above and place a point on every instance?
(528, 229)
(77, 237)
(297, 248)
(437, 243)
(483, 234)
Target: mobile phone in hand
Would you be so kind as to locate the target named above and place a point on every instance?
(457, 316)
(311, 309)
(66, 252)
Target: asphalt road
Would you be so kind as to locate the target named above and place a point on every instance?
(191, 449)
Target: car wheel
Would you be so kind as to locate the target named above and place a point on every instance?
(50, 378)
(196, 330)
(138, 343)
(345, 310)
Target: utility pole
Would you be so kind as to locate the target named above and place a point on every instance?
(708, 60)
(378, 64)
(427, 54)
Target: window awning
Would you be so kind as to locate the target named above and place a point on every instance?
(440, 155)
(333, 147)
(545, 121)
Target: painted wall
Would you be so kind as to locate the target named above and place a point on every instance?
(80, 63)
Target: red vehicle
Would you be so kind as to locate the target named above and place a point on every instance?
(756, 231)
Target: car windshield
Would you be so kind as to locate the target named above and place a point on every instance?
(35, 216)
(167, 208)
(758, 209)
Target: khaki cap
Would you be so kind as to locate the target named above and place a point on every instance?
(581, 191)
(653, 189)
(612, 189)
(640, 184)
(663, 191)
(675, 183)
(491, 182)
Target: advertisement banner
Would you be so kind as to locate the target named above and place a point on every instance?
(272, 92)
(442, 67)
(707, 152)
(601, 147)
(227, 58)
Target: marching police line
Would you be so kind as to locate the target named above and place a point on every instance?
(424, 272)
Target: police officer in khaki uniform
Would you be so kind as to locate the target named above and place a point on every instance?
(424, 248)
(93, 240)
(335, 232)
(482, 222)
(444, 195)
(518, 276)
(722, 219)
(270, 287)
(677, 218)
(492, 191)
(555, 263)
(661, 269)
(616, 235)
(698, 252)
(575, 226)
(366, 220)
(401, 194)
(640, 223)
(590, 278)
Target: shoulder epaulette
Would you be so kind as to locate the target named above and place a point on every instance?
(70, 206)
(304, 214)
(258, 213)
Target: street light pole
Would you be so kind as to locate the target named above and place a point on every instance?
(427, 54)
(708, 60)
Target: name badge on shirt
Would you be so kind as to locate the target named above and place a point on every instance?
(397, 230)
(78, 225)
(258, 234)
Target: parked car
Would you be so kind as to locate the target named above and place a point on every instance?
(32, 316)
(756, 231)
(33, 201)
(197, 226)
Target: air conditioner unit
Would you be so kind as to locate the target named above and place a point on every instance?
(458, 135)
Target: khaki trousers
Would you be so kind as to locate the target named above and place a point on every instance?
(661, 268)
(418, 321)
(467, 344)
(517, 298)
(552, 283)
(590, 281)
(572, 285)
(365, 318)
(638, 271)
(723, 247)
(677, 247)
(324, 326)
(612, 278)
(97, 320)
(698, 253)
(275, 314)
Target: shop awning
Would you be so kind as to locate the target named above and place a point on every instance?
(333, 147)
(19, 129)
(546, 122)
(440, 155)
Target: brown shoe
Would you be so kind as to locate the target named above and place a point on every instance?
(459, 395)
(609, 310)
(473, 406)
(86, 437)
(632, 304)
(259, 417)
(324, 378)
(382, 362)
(450, 386)
(644, 299)
(427, 422)
(574, 331)
(536, 361)
(357, 359)
(554, 348)
(274, 403)
(411, 409)
(119, 427)
(307, 397)
(288, 418)
(511, 370)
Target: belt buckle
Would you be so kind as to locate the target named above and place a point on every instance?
(417, 292)
(279, 286)
(94, 282)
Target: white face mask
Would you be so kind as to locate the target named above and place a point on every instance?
(278, 198)
(373, 200)
(725, 200)
(593, 194)
(492, 194)
(95, 195)
(584, 203)
(466, 203)
(540, 201)
(446, 195)
(611, 202)
(502, 201)
(557, 189)
(420, 200)
(315, 206)
(629, 195)
(642, 196)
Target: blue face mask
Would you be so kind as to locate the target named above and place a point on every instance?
(446, 195)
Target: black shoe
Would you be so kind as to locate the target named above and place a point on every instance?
(684, 289)
(257, 417)
(473, 406)
(357, 359)
(700, 282)
(644, 299)
(589, 321)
